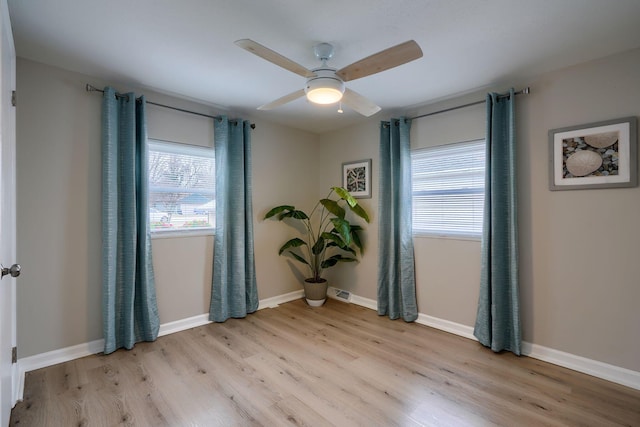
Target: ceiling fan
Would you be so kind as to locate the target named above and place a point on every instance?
(325, 84)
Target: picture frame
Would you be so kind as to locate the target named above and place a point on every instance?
(356, 178)
(595, 155)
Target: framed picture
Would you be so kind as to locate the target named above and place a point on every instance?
(356, 178)
(595, 155)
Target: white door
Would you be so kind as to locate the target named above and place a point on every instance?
(8, 370)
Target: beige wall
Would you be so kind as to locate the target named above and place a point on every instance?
(285, 167)
(59, 209)
(580, 275)
(353, 144)
(579, 249)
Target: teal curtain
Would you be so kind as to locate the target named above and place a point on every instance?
(498, 318)
(396, 270)
(234, 292)
(129, 308)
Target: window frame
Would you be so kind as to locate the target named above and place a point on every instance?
(478, 218)
(173, 147)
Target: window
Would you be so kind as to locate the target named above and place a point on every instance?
(448, 189)
(181, 187)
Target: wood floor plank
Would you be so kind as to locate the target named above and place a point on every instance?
(220, 378)
(177, 399)
(298, 413)
(338, 364)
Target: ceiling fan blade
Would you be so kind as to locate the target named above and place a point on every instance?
(273, 57)
(359, 103)
(284, 100)
(381, 61)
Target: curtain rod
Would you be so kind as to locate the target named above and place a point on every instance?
(524, 91)
(90, 88)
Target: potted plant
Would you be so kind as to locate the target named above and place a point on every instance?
(327, 238)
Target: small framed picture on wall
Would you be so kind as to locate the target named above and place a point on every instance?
(356, 178)
(594, 155)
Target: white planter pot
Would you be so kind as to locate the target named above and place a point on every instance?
(315, 293)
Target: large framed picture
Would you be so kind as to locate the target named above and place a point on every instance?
(356, 178)
(595, 155)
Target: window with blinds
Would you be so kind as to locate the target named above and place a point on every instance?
(448, 189)
(181, 187)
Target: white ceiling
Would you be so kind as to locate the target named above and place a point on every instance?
(186, 47)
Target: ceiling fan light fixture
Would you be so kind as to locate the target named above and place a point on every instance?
(324, 95)
(324, 90)
(325, 84)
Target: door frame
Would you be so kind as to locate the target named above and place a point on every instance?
(8, 191)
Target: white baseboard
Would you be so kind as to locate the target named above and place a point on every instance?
(183, 324)
(446, 325)
(595, 368)
(354, 299)
(203, 319)
(598, 369)
(66, 354)
(280, 299)
(54, 357)
(364, 302)
(608, 372)
(16, 380)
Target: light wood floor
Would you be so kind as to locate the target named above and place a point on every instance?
(339, 364)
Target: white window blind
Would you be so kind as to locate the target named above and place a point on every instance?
(181, 187)
(448, 189)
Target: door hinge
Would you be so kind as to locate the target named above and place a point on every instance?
(14, 355)
(13, 98)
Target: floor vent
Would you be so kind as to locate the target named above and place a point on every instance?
(343, 295)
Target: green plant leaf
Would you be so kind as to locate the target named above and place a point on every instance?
(335, 238)
(343, 228)
(294, 214)
(318, 247)
(345, 195)
(342, 235)
(331, 261)
(344, 248)
(336, 241)
(299, 258)
(349, 249)
(359, 210)
(279, 209)
(355, 237)
(293, 243)
(333, 207)
(351, 202)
